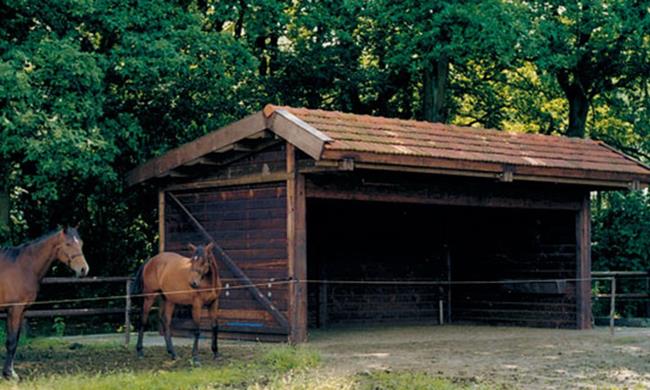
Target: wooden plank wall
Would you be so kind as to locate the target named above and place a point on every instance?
(250, 224)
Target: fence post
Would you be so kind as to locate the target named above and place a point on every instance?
(127, 314)
(612, 306)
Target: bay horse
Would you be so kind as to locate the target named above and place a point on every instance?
(21, 271)
(180, 280)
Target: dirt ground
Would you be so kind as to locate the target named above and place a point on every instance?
(502, 356)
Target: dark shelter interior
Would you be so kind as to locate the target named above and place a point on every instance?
(401, 263)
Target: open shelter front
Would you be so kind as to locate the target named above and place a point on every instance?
(323, 217)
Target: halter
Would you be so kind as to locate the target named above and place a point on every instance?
(70, 258)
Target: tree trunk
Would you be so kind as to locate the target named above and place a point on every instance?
(578, 101)
(4, 212)
(578, 109)
(436, 76)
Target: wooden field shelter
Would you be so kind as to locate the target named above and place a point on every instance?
(324, 218)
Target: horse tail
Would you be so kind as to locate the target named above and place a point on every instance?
(137, 285)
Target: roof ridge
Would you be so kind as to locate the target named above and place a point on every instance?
(270, 108)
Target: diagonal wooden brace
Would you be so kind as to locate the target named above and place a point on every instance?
(230, 264)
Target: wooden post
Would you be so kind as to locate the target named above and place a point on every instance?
(441, 314)
(612, 306)
(322, 304)
(161, 221)
(448, 256)
(127, 314)
(583, 264)
(296, 248)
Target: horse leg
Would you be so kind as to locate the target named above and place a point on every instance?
(14, 320)
(197, 306)
(147, 302)
(168, 314)
(214, 310)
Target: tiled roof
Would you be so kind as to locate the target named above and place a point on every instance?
(387, 140)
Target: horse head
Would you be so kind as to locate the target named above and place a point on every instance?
(70, 253)
(200, 263)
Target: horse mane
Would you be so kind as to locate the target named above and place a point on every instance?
(12, 253)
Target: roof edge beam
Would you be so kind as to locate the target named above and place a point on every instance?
(160, 166)
(299, 133)
(499, 176)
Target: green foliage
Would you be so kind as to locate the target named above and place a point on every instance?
(621, 242)
(91, 88)
(621, 232)
(59, 326)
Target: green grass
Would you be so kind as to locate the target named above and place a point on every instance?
(51, 363)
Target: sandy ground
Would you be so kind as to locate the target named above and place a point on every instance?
(513, 357)
(505, 357)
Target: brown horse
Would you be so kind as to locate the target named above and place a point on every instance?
(21, 271)
(180, 281)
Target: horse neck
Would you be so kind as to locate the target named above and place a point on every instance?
(38, 257)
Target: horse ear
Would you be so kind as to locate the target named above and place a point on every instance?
(209, 247)
(191, 247)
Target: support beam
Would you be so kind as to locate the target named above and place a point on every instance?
(297, 248)
(583, 265)
(161, 221)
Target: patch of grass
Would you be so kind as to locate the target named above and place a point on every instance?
(286, 358)
(52, 363)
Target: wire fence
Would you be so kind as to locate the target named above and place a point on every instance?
(606, 286)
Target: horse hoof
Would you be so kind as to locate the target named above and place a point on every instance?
(172, 356)
(11, 375)
(140, 354)
(196, 363)
(216, 356)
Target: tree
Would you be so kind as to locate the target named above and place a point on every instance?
(438, 40)
(590, 47)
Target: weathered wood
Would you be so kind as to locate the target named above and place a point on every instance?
(612, 306)
(232, 267)
(296, 248)
(161, 221)
(69, 312)
(127, 313)
(603, 179)
(438, 194)
(298, 133)
(583, 265)
(213, 141)
(94, 279)
(243, 180)
(322, 304)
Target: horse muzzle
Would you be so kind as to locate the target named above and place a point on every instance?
(82, 272)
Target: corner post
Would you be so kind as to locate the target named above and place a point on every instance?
(161, 221)
(583, 264)
(296, 248)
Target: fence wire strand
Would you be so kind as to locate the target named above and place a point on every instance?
(276, 282)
